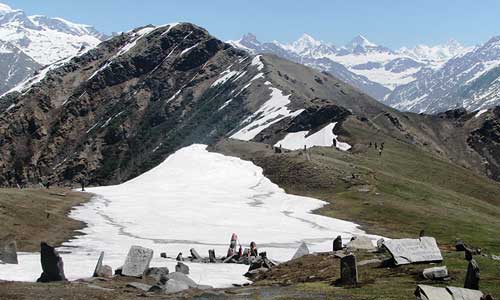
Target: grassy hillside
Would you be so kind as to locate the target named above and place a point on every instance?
(397, 194)
(35, 215)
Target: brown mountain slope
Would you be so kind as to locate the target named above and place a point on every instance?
(123, 107)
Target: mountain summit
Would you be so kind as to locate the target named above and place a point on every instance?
(30, 42)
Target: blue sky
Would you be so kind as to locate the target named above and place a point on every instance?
(392, 23)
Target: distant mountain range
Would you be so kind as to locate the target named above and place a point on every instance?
(427, 79)
(111, 113)
(27, 43)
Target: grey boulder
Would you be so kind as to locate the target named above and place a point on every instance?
(8, 250)
(182, 268)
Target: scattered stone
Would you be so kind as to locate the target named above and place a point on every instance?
(211, 256)
(8, 250)
(229, 259)
(495, 257)
(465, 294)
(137, 261)
(360, 243)
(426, 292)
(105, 272)
(182, 278)
(369, 262)
(195, 254)
(337, 244)
(163, 255)
(473, 273)
(301, 251)
(436, 273)
(140, 286)
(255, 272)
(179, 257)
(175, 286)
(380, 245)
(93, 286)
(52, 265)
(157, 273)
(348, 270)
(118, 271)
(460, 245)
(182, 268)
(408, 251)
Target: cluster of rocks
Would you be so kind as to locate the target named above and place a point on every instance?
(137, 265)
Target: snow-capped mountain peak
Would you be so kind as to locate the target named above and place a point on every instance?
(62, 25)
(360, 41)
(436, 55)
(45, 39)
(309, 46)
(5, 9)
(305, 43)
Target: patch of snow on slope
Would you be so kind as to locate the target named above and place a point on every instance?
(273, 111)
(256, 61)
(479, 113)
(225, 76)
(189, 49)
(225, 104)
(194, 199)
(322, 138)
(136, 37)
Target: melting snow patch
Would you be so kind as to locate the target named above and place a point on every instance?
(136, 37)
(256, 61)
(195, 198)
(479, 113)
(226, 75)
(273, 111)
(189, 49)
(225, 104)
(323, 138)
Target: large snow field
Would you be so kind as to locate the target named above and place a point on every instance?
(194, 199)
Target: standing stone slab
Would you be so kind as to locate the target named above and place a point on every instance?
(348, 270)
(211, 256)
(99, 265)
(472, 276)
(195, 254)
(301, 251)
(52, 264)
(337, 244)
(408, 251)
(8, 250)
(137, 261)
